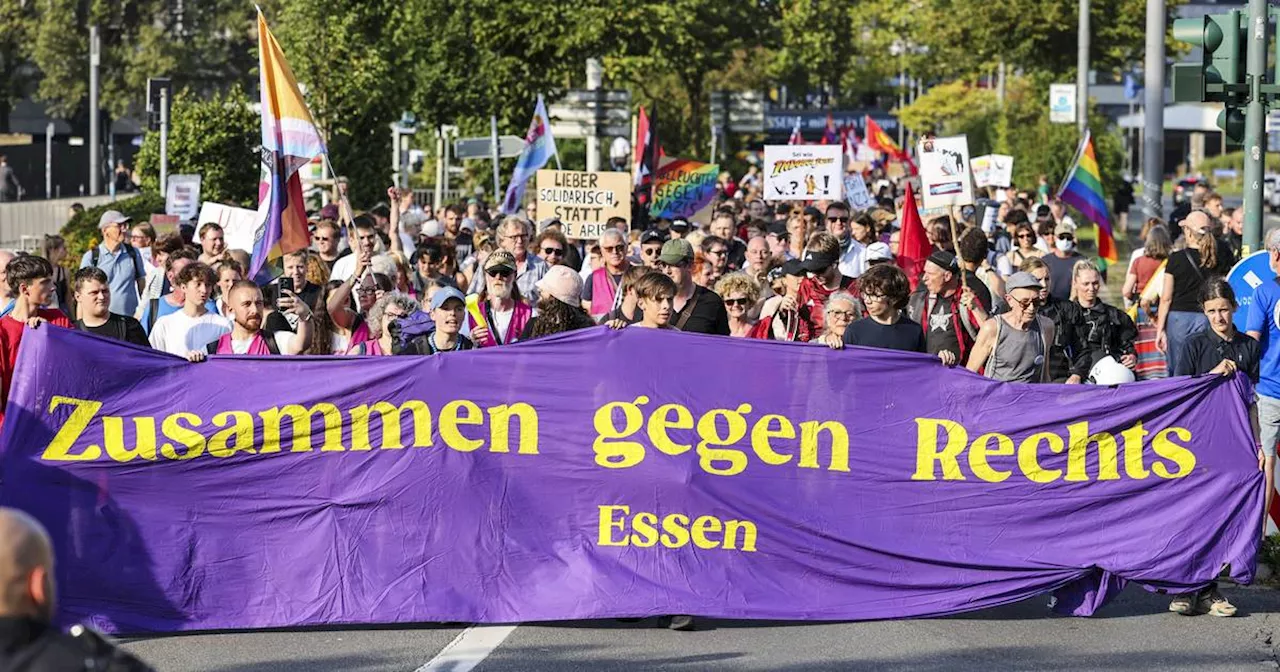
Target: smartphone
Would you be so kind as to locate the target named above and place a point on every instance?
(286, 285)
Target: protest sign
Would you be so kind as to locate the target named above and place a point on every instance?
(583, 202)
(683, 189)
(856, 194)
(944, 172)
(238, 224)
(1062, 103)
(474, 487)
(803, 172)
(182, 196)
(992, 170)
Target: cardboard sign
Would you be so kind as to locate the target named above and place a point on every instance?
(856, 194)
(945, 178)
(1062, 103)
(683, 189)
(182, 196)
(803, 172)
(992, 170)
(238, 224)
(583, 202)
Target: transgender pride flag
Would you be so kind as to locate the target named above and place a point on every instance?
(539, 147)
(290, 141)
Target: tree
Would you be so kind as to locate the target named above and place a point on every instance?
(955, 108)
(15, 30)
(216, 138)
(815, 50)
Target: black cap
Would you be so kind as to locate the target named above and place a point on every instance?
(793, 267)
(1043, 211)
(817, 262)
(778, 228)
(944, 259)
(653, 236)
(681, 225)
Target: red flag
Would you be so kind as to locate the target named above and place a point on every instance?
(913, 244)
(647, 154)
(796, 138)
(880, 141)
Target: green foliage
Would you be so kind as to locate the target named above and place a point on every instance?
(16, 28)
(81, 232)
(215, 138)
(953, 109)
(1235, 161)
(1269, 555)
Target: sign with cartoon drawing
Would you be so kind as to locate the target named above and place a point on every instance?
(803, 172)
(945, 178)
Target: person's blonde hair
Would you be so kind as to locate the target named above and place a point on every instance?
(1082, 266)
(738, 282)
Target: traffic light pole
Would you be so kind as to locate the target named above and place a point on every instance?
(1255, 123)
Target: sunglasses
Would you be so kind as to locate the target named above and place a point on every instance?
(1066, 236)
(500, 273)
(614, 248)
(651, 251)
(737, 302)
(1029, 303)
(1025, 236)
(552, 250)
(837, 218)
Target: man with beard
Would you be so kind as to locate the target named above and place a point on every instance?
(93, 296)
(502, 304)
(248, 338)
(723, 227)
(29, 641)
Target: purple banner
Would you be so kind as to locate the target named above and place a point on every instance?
(609, 473)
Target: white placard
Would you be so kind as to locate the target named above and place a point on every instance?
(1062, 103)
(945, 179)
(182, 196)
(238, 224)
(803, 172)
(856, 194)
(992, 170)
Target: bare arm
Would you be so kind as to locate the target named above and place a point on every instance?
(302, 337)
(982, 346)
(1166, 300)
(393, 219)
(340, 298)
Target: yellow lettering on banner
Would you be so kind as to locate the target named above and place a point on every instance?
(59, 449)
(661, 421)
(610, 452)
(748, 530)
(761, 434)
(608, 525)
(1133, 440)
(928, 456)
(675, 530)
(1079, 438)
(646, 534)
(702, 528)
(391, 417)
(809, 432)
(237, 437)
(144, 439)
(978, 454)
(1164, 446)
(301, 417)
(500, 429)
(708, 455)
(187, 437)
(452, 416)
(1029, 461)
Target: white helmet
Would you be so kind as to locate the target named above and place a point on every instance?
(1110, 372)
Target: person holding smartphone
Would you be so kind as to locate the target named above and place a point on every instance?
(291, 287)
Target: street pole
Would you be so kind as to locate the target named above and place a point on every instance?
(95, 170)
(595, 79)
(902, 96)
(435, 205)
(1153, 113)
(1082, 69)
(164, 140)
(493, 148)
(1255, 119)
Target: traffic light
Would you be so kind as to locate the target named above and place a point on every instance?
(1219, 77)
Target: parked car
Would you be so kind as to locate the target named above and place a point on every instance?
(1182, 190)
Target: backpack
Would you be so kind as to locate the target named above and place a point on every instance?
(406, 329)
(268, 338)
(135, 255)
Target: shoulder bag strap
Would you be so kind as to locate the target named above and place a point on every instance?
(688, 311)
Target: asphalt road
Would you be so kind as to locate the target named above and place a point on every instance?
(1133, 633)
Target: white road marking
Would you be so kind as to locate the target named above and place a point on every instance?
(468, 649)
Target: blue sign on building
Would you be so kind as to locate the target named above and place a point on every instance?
(814, 122)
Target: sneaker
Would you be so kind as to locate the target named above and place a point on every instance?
(682, 623)
(1182, 604)
(1213, 603)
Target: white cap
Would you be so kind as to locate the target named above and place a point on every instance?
(879, 251)
(432, 228)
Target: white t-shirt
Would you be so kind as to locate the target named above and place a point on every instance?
(178, 334)
(501, 322)
(853, 262)
(343, 268)
(284, 339)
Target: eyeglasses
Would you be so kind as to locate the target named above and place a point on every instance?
(838, 218)
(393, 316)
(846, 314)
(1025, 236)
(139, 236)
(552, 250)
(1025, 304)
(500, 273)
(873, 297)
(737, 302)
(717, 252)
(361, 289)
(614, 248)
(1066, 236)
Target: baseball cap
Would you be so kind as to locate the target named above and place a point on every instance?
(944, 260)
(816, 262)
(677, 251)
(680, 225)
(793, 267)
(468, 224)
(444, 294)
(1043, 211)
(113, 217)
(500, 259)
(653, 236)
(1064, 227)
(563, 283)
(432, 228)
(1022, 280)
(878, 251)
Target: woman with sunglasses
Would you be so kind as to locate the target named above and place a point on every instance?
(350, 332)
(551, 246)
(740, 292)
(1024, 244)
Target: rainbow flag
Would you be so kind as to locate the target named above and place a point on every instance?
(683, 188)
(1083, 191)
(290, 140)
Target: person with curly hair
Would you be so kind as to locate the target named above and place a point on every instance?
(885, 290)
(740, 292)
